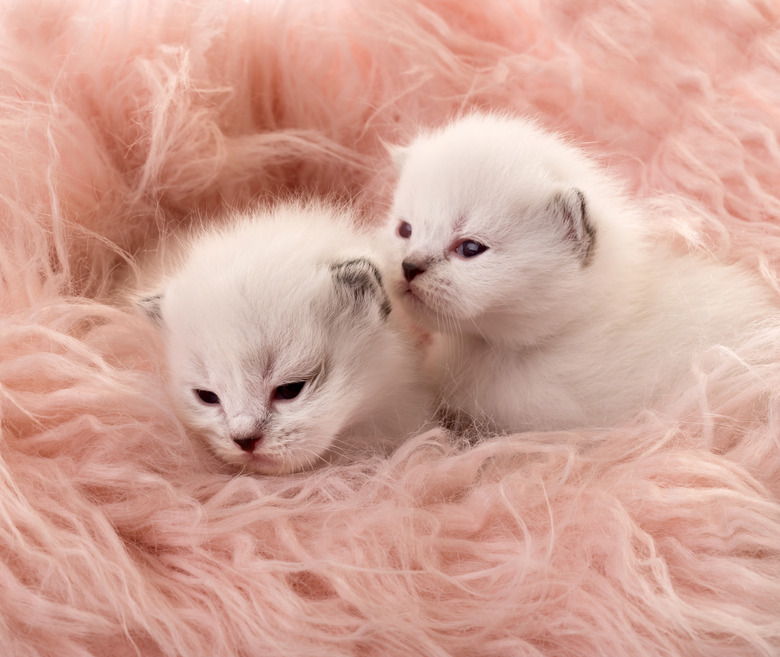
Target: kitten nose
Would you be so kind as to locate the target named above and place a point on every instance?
(411, 270)
(248, 444)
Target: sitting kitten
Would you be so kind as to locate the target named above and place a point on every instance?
(283, 349)
(553, 308)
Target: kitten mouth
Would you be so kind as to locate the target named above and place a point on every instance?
(414, 301)
(265, 465)
(409, 294)
(276, 466)
(261, 459)
(427, 314)
(260, 462)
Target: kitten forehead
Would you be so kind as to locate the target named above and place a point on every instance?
(492, 177)
(270, 257)
(268, 307)
(476, 164)
(482, 138)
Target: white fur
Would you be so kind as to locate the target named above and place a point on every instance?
(533, 333)
(259, 304)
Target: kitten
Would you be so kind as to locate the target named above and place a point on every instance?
(283, 349)
(552, 308)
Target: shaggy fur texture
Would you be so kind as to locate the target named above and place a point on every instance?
(119, 537)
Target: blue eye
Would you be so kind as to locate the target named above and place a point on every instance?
(470, 249)
(289, 390)
(207, 397)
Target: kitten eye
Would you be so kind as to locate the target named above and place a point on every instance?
(289, 390)
(470, 249)
(207, 397)
(404, 230)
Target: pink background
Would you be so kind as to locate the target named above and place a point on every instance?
(118, 537)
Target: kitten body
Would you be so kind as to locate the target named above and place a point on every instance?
(551, 307)
(283, 349)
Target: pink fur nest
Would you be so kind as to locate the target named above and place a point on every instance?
(118, 537)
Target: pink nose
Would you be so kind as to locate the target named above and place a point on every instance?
(248, 444)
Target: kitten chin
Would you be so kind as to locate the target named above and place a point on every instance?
(552, 308)
(284, 351)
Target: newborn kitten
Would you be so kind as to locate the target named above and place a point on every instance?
(553, 309)
(283, 349)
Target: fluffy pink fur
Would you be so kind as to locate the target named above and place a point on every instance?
(120, 119)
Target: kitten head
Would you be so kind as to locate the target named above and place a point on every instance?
(500, 229)
(276, 327)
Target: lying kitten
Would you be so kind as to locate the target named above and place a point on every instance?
(553, 308)
(283, 349)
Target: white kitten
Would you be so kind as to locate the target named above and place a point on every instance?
(554, 310)
(282, 348)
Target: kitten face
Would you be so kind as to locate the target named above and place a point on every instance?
(273, 341)
(493, 238)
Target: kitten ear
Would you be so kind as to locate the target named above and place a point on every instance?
(151, 307)
(570, 209)
(359, 285)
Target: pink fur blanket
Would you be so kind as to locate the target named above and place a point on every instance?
(121, 118)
